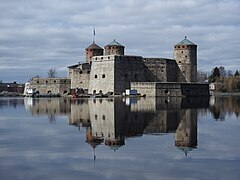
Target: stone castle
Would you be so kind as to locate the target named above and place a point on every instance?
(110, 71)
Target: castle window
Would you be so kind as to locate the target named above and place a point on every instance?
(108, 57)
(95, 76)
(96, 58)
(46, 82)
(186, 56)
(178, 46)
(37, 82)
(182, 46)
(103, 76)
(182, 52)
(167, 92)
(179, 62)
(80, 72)
(88, 72)
(95, 116)
(101, 57)
(64, 81)
(136, 75)
(54, 81)
(103, 117)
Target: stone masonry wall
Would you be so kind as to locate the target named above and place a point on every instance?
(186, 58)
(127, 69)
(53, 85)
(80, 76)
(102, 74)
(170, 89)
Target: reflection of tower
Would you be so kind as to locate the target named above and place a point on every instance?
(79, 113)
(93, 141)
(186, 133)
(106, 121)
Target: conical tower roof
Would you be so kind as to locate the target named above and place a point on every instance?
(94, 46)
(114, 43)
(185, 41)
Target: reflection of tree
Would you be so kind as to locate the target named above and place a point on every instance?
(52, 118)
(224, 106)
(216, 112)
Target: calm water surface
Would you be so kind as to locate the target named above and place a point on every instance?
(151, 138)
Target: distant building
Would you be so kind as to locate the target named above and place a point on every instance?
(11, 87)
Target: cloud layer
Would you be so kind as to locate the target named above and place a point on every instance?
(38, 35)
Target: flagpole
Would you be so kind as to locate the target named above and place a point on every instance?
(93, 34)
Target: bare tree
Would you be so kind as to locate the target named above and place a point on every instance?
(36, 76)
(52, 73)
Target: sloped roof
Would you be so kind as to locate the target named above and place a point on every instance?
(185, 41)
(114, 43)
(94, 46)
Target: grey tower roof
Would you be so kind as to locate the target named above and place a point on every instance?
(185, 41)
(94, 46)
(114, 43)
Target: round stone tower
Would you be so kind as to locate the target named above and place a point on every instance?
(114, 48)
(93, 50)
(185, 54)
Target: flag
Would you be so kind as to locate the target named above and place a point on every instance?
(94, 31)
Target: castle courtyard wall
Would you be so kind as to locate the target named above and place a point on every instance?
(79, 75)
(53, 85)
(170, 89)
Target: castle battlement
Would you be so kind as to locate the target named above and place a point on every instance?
(116, 58)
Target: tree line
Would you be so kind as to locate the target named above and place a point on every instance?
(225, 80)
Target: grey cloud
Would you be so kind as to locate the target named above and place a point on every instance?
(44, 34)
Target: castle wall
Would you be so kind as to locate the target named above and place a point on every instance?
(155, 69)
(79, 75)
(102, 74)
(115, 73)
(53, 85)
(170, 89)
(127, 70)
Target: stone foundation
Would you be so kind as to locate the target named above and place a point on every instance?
(170, 89)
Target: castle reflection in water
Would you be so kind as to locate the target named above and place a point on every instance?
(110, 121)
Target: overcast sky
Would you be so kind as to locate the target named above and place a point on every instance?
(38, 35)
